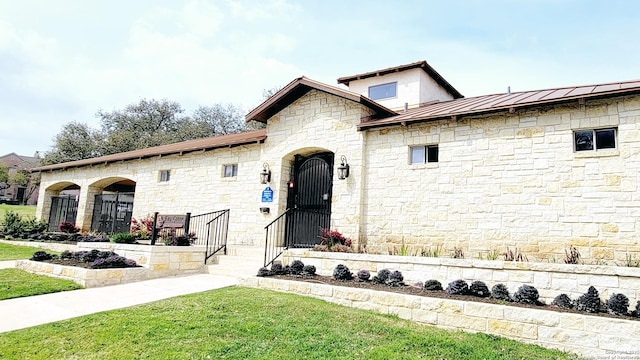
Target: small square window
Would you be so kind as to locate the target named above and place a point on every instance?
(164, 175)
(231, 170)
(586, 140)
(383, 91)
(424, 154)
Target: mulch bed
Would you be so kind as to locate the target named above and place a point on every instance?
(419, 291)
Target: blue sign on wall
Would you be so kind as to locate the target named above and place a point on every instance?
(267, 194)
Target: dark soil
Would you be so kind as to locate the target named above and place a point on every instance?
(419, 291)
(69, 262)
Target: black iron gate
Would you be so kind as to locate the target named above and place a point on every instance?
(310, 197)
(112, 213)
(63, 209)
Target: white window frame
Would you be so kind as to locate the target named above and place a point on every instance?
(595, 140)
(425, 156)
(395, 86)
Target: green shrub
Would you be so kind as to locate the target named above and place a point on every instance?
(123, 238)
(13, 224)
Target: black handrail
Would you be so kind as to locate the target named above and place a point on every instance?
(275, 244)
(211, 230)
(294, 228)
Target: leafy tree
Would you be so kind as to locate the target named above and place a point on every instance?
(142, 125)
(145, 124)
(76, 141)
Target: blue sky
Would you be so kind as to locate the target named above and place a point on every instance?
(63, 60)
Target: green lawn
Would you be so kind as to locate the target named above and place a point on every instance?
(24, 210)
(242, 323)
(16, 283)
(17, 252)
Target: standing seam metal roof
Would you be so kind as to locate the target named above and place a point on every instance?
(508, 101)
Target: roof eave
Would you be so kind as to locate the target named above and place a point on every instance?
(509, 108)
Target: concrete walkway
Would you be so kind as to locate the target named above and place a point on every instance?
(35, 310)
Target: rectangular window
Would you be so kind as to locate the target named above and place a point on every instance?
(383, 91)
(424, 154)
(231, 170)
(596, 139)
(164, 175)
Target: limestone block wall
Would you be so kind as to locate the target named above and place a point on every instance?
(510, 180)
(550, 280)
(320, 122)
(588, 336)
(196, 185)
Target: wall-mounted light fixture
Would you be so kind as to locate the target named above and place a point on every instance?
(265, 174)
(343, 169)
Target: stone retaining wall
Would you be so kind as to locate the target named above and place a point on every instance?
(550, 279)
(88, 278)
(160, 260)
(589, 336)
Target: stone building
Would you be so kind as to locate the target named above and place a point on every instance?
(427, 168)
(19, 193)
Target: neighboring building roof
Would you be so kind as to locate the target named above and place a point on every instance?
(418, 64)
(256, 136)
(19, 161)
(505, 102)
(299, 87)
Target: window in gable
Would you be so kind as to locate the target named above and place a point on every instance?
(424, 154)
(230, 170)
(383, 91)
(594, 139)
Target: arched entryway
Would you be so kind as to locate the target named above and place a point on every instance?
(63, 199)
(309, 198)
(113, 206)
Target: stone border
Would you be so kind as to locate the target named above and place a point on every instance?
(89, 278)
(589, 336)
(550, 279)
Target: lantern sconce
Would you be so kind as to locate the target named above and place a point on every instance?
(265, 174)
(343, 169)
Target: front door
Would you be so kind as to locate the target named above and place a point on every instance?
(309, 198)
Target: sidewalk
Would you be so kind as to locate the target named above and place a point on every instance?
(35, 310)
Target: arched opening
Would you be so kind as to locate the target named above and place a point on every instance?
(112, 205)
(62, 200)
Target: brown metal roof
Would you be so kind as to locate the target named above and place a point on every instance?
(300, 86)
(249, 137)
(505, 102)
(418, 64)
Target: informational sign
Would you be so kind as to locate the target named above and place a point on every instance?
(171, 221)
(267, 195)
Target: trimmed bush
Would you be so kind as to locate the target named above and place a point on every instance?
(278, 269)
(395, 279)
(364, 275)
(309, 270)
(296, 267)
(41, 256)
(433, 285)
(341, 272)
(500, 292)
(618, 304)
(562, 301)
(590, 301)
(123, 238)
(382, 277)
(527, 294)
(263, 271)
(457, 287)
(479, 289)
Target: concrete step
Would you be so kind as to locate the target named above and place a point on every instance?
(241, 260)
